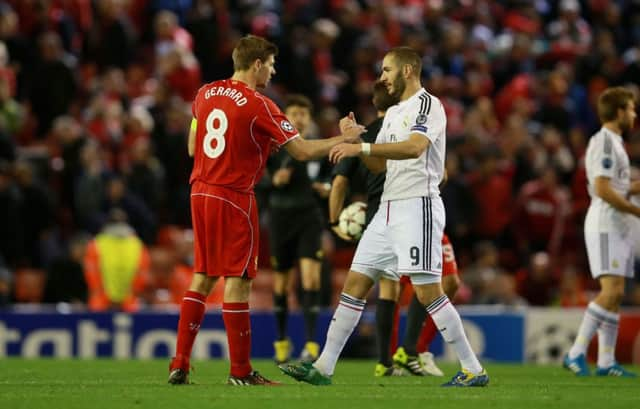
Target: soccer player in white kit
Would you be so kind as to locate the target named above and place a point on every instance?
(404, 237)
(607, 232)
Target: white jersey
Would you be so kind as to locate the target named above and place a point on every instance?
(606, 156)
(423, 114)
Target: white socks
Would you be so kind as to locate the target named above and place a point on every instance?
(342, 324)
(607, 337)
(605, 322)
(448, 322)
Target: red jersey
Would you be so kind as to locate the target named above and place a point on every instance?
(236, 129)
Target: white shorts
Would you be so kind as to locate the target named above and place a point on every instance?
(609, 254)
(403, 238)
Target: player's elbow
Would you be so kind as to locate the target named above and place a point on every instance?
(601, 191)
(415, 150)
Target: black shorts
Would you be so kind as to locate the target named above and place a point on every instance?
(294, 234)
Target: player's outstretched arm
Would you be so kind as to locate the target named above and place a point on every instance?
(305, 149)
(410, 149)
(602, 188)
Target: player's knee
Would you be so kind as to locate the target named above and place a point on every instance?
(427, 293)
(450, 285)
(389, 289)
(236, 289)
(202, 284)
(280, 281)
(612, 297)
(357, 285)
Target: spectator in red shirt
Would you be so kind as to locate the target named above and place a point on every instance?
(169, 34)
(541, 211)
(493, 193)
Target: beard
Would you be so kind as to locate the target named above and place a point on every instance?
(626, 125)
(399, 85)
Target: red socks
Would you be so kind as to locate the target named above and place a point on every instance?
(429, 332)
(191, 315)
(236, 322)
(238, 326)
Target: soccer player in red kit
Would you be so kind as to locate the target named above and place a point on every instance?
(233, 131)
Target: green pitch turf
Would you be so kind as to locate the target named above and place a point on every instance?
(107, 384)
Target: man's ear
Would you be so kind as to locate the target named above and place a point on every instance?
(406, 70)
(257, 64)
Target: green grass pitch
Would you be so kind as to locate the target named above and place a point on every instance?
(98, 384)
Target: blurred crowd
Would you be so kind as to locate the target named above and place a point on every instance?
(95, 107)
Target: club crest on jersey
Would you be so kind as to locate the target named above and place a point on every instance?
(607, 163)
(421, 119)
(286, 125)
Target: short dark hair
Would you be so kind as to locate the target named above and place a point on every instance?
(298, 100)
(407, 56)
(251, 48)
(611, 100)
(382, 100)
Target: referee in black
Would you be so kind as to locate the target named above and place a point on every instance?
(296, 228)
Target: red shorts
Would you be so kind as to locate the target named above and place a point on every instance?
(226, 233)
(449, 265)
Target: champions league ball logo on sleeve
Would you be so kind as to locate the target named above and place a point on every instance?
(420, 126)
(286, 125)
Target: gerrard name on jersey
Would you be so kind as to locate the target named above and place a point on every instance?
(234, 94)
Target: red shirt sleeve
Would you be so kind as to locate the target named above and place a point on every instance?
(273, 122)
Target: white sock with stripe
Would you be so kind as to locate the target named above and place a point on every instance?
(607, 337)
(342, 325)
(448, 322)
(593, 317)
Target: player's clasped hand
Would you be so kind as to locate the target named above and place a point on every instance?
(352, 134)
(343, 150)
(347, 122)
(350, 129)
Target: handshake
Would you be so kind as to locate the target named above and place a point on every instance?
(351, 132)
